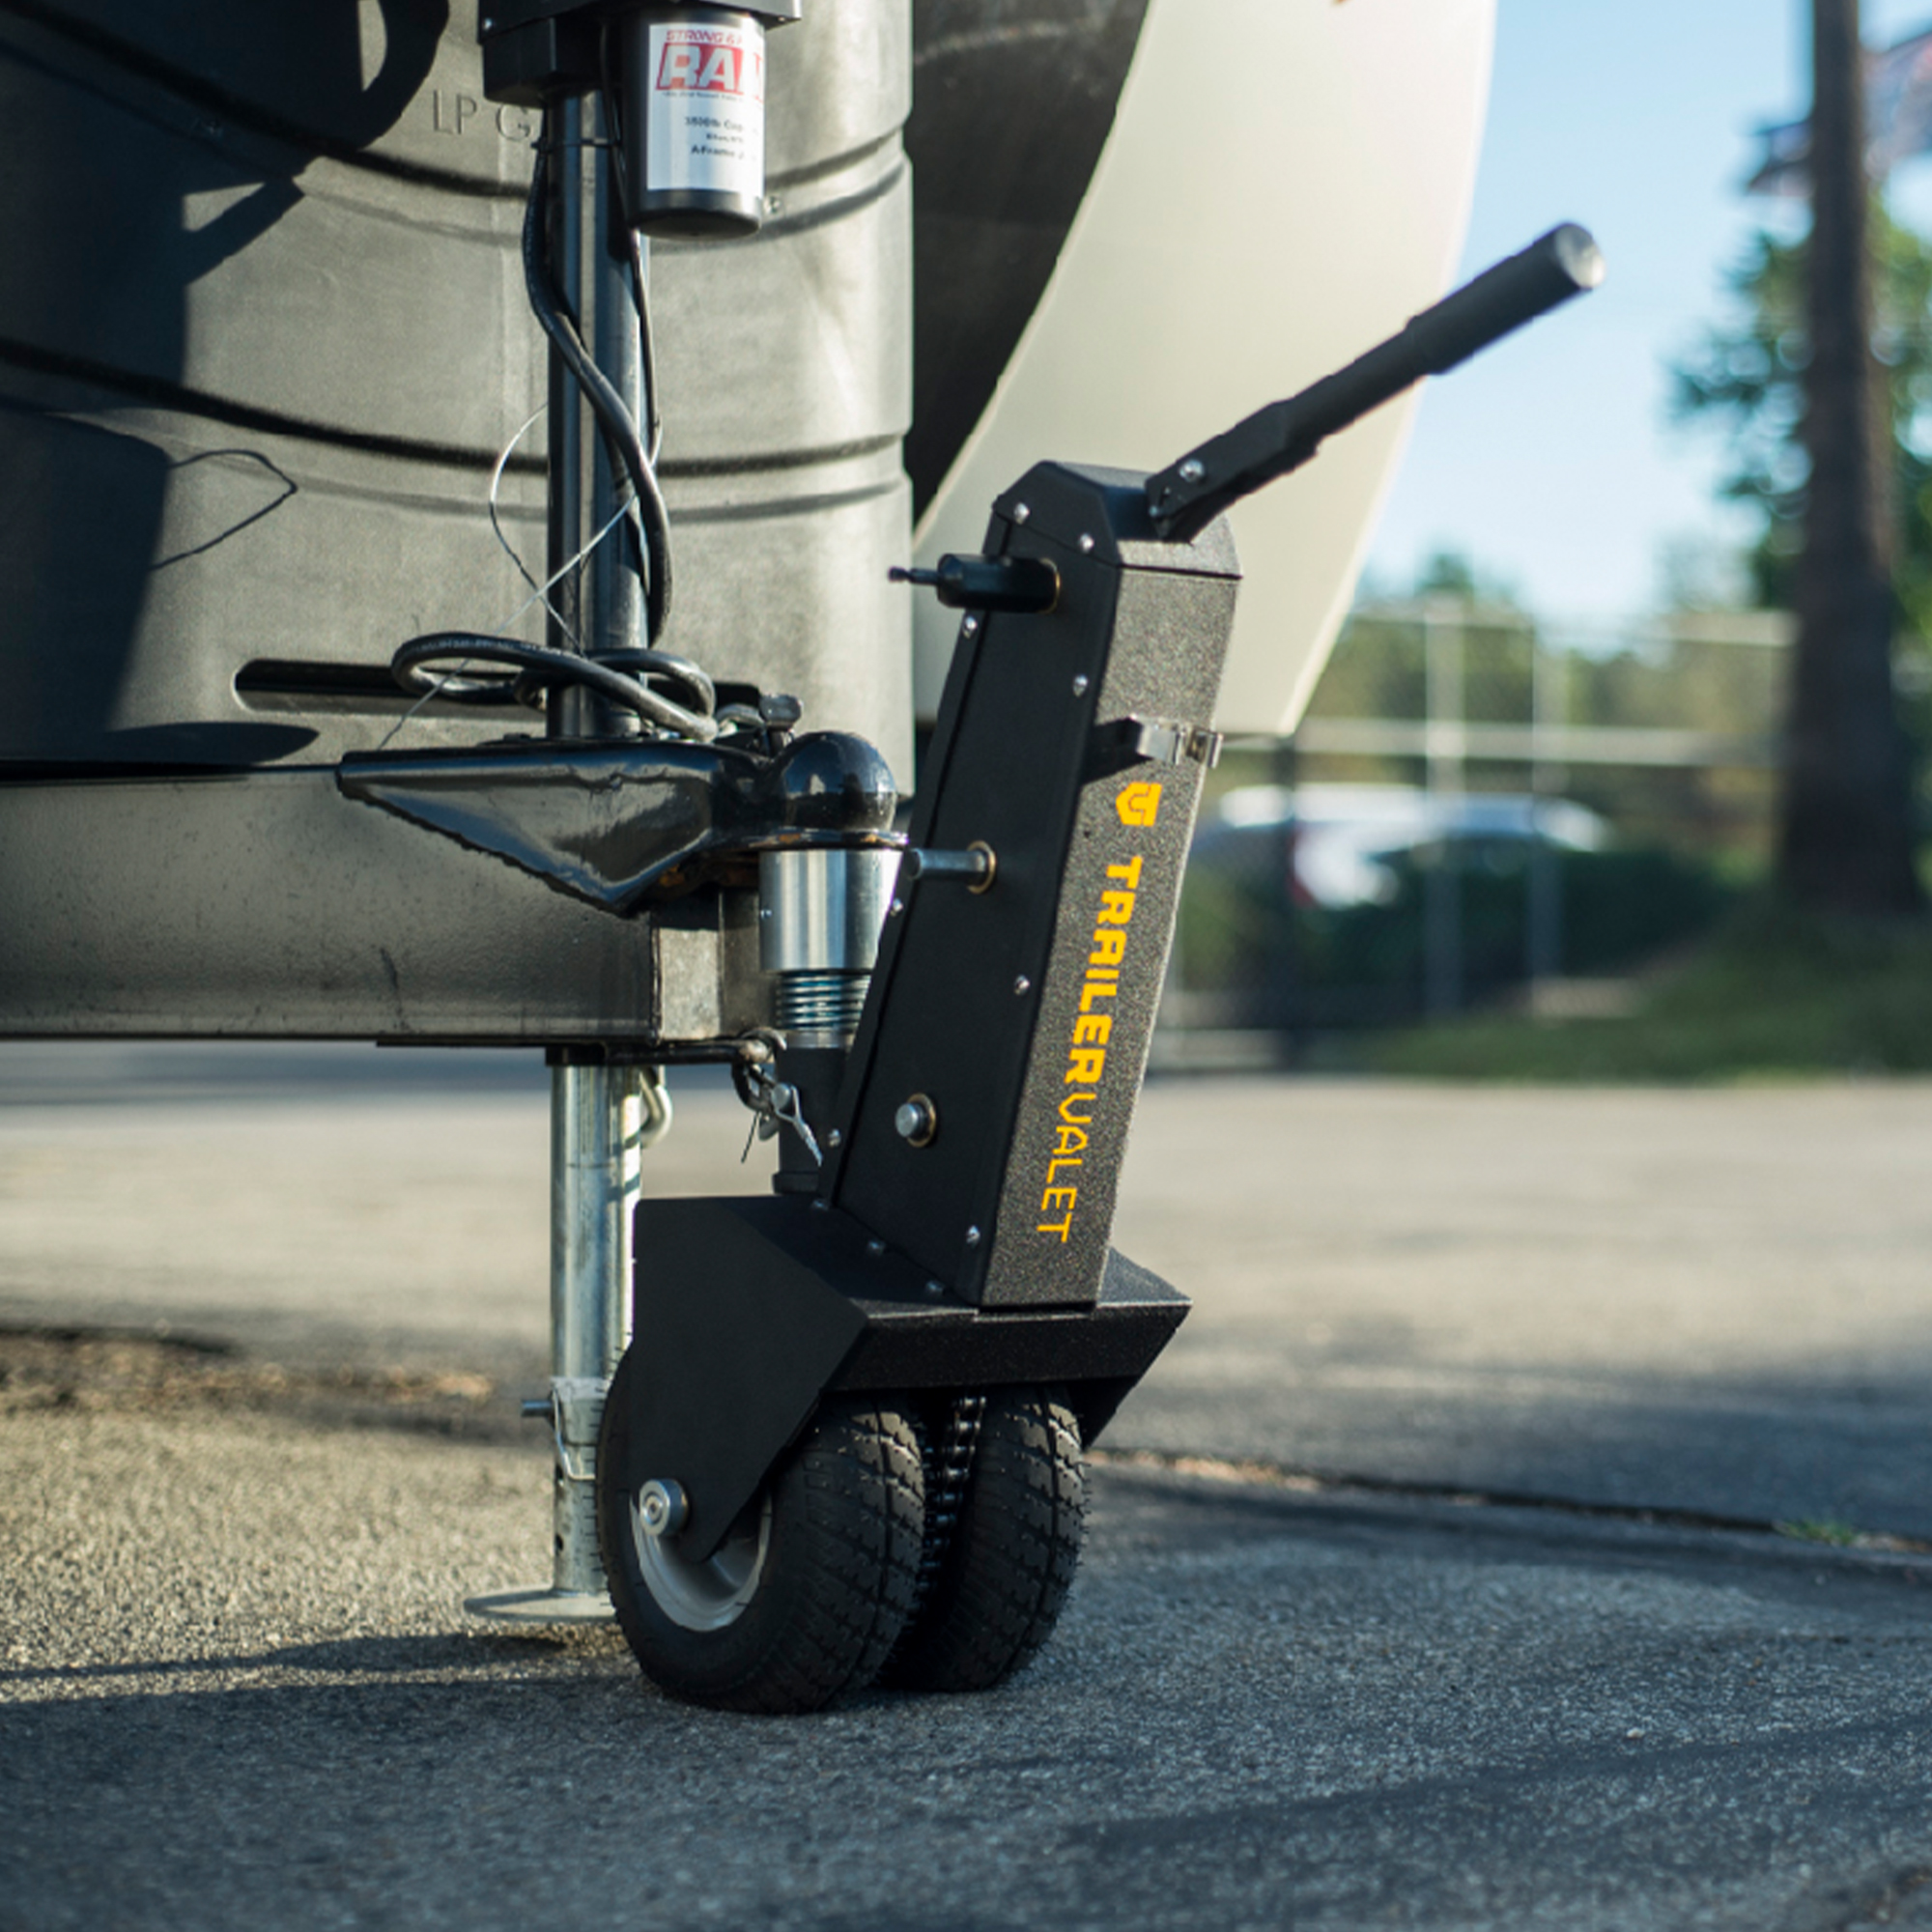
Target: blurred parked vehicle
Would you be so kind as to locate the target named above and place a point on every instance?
(1338, 905)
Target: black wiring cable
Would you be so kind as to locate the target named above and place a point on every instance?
(618, 426)
(536, 669)
(700, 693)
(538, 663)
(612, 97)
(667, 664)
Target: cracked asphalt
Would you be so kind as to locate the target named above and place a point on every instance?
(1435, 1579)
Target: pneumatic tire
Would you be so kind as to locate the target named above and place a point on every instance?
(809, 1592)
(993, 1595)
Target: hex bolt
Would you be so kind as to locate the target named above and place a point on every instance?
(662, 1508)
(917, 1120)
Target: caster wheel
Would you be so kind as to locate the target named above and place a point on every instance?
(1006, 1508)
(807, 1596)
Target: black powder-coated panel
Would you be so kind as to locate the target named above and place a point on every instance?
(1024, 1014)
(747, 1310)
(732, 1340)
(964, 969)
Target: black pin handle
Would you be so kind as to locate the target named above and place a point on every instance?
(1187, 496)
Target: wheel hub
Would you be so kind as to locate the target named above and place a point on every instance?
(706, 1596)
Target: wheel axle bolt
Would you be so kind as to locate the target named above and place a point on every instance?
(663, 1509)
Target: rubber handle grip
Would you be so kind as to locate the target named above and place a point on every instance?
(1187, 496)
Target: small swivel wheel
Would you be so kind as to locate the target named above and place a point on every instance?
(806, 1597)
(1006, 1507)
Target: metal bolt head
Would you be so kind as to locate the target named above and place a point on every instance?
(834, 1138)
(972, 1237)
(917, 1121)
(1086, 544)
(1022, 987)
(662, 1508)
(896, 907)
(1021, 512)
(970, 626)
(1193, 470)
(1080, 685)
(935, 1289)
(875, 1247)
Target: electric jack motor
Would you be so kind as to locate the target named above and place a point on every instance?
(689, 78)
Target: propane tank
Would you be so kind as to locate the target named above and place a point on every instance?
(694, 116)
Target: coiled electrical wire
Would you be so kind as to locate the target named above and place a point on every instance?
(538, 666)
(619, 428)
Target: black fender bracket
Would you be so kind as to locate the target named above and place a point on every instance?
(748, 1310)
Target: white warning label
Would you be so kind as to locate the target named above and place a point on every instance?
(707, 111)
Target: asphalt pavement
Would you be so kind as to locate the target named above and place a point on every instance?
(1528, 1528)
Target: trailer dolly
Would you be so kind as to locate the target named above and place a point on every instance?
(831, 1437)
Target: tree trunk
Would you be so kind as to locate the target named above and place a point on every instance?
(1845, 836)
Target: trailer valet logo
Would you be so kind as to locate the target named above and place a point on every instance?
(1138, 806)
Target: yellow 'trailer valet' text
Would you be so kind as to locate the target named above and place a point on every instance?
(1087, 1050)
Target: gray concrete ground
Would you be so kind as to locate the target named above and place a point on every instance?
(1432, 1577)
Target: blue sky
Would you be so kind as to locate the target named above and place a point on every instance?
(1551, 461)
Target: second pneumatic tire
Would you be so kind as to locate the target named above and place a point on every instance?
(809, 1592)
(996, 1592)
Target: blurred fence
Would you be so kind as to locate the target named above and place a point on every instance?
(1476, 808)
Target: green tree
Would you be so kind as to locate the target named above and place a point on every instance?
(1747, 378)
(1845, 838)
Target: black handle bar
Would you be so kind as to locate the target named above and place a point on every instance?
(1187, 496)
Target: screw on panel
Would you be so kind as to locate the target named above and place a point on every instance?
(972, 1237)
(1022, 985)
(1021, 512)
(1193, 470)
(935, 1287)
(834, 1138)
(896, 907)
(875, 1247)
(1086, 543)
(1080, 685)
(970, 626)
(917, 1121)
